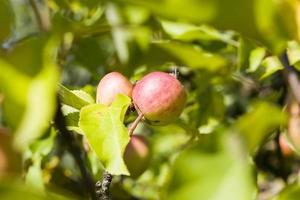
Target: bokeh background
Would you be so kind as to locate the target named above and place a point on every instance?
(238, 137)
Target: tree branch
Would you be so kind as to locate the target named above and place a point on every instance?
(102, 187)
(291, 77)
(69, 139)
(41, 17)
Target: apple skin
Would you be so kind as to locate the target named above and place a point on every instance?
(160, 97)
(110, 85)
(137, 155)
(293, 128)
(285, 148)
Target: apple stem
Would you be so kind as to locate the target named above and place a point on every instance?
(175, 72)
(135, 123)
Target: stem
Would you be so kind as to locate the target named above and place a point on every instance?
(291, 77)
(175, 72)
(69, 139)
(135, 123)
(42, 18)
(102, 188)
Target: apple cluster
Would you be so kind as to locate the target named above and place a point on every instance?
(158, 97)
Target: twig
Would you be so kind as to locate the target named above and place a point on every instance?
(102, 187)
(7, 45)
(42, 18)
(74, 148)
(135, 123)
(291, 77)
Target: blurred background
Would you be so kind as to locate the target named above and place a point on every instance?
(237, 139)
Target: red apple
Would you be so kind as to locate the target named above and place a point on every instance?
(285, 148)
(112, 84)
(160, 97)
(293, 129)
(137, 155)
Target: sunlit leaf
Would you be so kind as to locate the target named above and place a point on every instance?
(189, 10)
(10, 87)
(293, 52)
(271, 65)
(256, 57)
(41, 101)
(106, 133)
(40, 148)
(193, 56)
(73, 99)
(262, 119)
(212, 175)
(189, 32)
(291, 192)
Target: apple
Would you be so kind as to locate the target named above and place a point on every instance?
(293, 126)
(137, 155)
(285, 148)
(110, 85)
(160, 97)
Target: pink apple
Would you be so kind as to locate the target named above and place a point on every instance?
(112, 84)
(137, 155)
(285, 147)
(160, 97)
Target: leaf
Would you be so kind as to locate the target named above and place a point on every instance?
(84, 95)
(13, 89)
(34, 176)
(293, 53)
(73, 99)
(189, 32)
(264, 21)
(41, 101)
(271, 64)
(256, 57)
(106, 133)
(212, 175)
(193, 56)
(291, 192)
(6, 18)
(36, 152)
(17, 190)
(259, 122)
(175, 9)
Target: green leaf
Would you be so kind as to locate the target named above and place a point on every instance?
(193, 56)
(36, 152)
(256, 57)
(74, 99)
(271, 65)
(6, 18)
(84, 95)
(13, 89)
(183, 10)
(291, 192)
(41, 101)
(17, 190)
(262, 119)
(106, 133)
(34, 176)
(188, 32)
(250, 55)
(293, 52)
(213, 175)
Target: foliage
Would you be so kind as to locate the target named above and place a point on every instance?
(238, 60)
